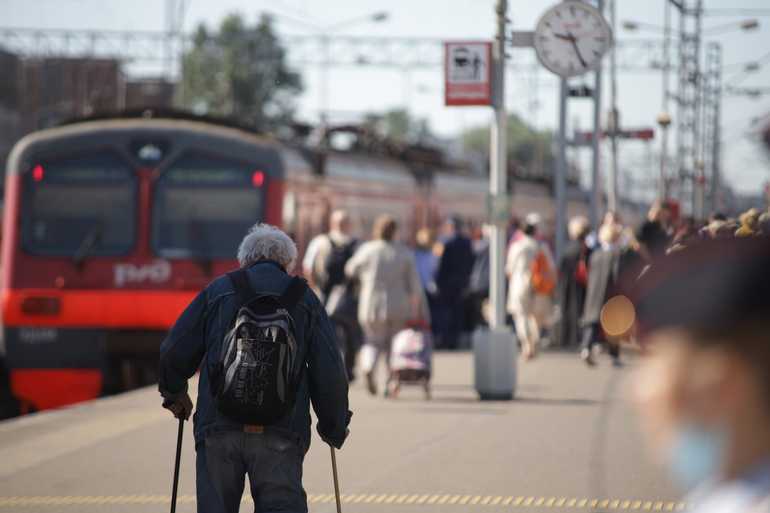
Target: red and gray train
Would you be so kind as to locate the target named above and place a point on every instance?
(111, 226)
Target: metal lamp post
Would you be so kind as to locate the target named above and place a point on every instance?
(664, 121)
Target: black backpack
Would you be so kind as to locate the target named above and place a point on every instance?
(334, 264)
(257, 373)
(479, 282)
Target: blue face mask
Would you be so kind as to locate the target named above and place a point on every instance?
(696, 455)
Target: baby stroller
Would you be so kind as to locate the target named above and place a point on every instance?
(411, 359)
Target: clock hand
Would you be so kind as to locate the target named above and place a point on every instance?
(577, 50)
(566, 37)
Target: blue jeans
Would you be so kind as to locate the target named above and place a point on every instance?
(272, 462)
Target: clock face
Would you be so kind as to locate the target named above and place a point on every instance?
(571, 38)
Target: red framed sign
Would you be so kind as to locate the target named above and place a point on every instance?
(468, 73)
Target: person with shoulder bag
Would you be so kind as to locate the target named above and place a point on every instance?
(530, 270)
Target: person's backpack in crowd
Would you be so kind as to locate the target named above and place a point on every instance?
(334, 264)
(256, 373)
(543, 281)
(479, 282)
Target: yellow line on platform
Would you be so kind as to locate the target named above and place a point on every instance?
(412, 500)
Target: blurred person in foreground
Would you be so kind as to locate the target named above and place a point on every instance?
(452, 277)
(532, 274)
(228, 449)
(573, 280)
(391, 293)
(703, 389)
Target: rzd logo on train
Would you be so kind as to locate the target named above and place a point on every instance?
(156, 272)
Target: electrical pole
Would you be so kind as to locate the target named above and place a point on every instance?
(596, 190)
(664, 118)
(614, 125)
(712, 103)
(688, 100)
(495, 350)
(560, 180)
(498, 173)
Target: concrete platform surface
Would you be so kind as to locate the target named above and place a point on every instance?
(569, 442)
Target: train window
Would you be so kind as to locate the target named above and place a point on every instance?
(204, 206)
(79, 206)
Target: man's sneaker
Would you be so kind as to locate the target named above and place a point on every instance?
(616, 362)
(587, 357)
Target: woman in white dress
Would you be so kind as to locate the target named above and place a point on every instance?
(529, 309)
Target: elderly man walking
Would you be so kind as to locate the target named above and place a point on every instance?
(265, 349)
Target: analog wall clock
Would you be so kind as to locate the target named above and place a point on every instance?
(571, 38)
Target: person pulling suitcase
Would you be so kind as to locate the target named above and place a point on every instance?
(265, 348)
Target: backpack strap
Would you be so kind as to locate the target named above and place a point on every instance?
(240, 281)
(293, 293)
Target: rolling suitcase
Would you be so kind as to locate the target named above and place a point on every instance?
(411, 359)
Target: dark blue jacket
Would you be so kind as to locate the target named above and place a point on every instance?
(454, 268)
(200, 330)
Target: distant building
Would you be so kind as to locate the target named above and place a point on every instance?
(58, 89)
(38, 93)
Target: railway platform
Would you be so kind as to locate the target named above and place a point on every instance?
(569, 442)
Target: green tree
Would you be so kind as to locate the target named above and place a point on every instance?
(240, 71)
(530, 152)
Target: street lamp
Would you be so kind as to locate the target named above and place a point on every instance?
(745, 25)
(751, 67)
(664, 120)
(750, 24)
(380, 16)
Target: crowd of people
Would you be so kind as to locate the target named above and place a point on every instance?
(372, 289)
(598, 265)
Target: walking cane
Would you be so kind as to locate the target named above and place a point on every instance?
(176, 466)
(336, 480)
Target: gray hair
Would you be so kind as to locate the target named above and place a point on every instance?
(266, 242)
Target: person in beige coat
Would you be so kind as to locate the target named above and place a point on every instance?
(529, 309)
(390, 293)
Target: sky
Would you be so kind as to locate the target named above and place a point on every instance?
(745, 166)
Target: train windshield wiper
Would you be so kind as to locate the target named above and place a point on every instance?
(199, 245)
(87, 245)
